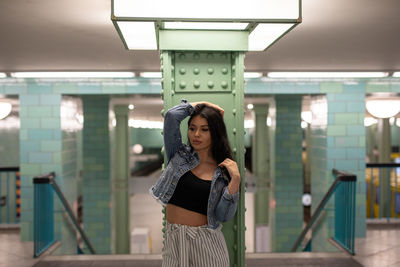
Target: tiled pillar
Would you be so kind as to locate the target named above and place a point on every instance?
(40, 147)
(288, 180)
(96, 184)
(338, 141)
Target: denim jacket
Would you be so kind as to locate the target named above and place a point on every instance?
(180, 159)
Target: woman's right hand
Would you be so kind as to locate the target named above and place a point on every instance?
(221, 110)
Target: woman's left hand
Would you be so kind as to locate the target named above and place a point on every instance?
(233, 170)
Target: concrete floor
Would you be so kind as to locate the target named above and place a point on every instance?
(380, 248)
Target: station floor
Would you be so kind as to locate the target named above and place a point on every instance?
(380, 248)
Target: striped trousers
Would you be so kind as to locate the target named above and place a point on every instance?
(188, 246)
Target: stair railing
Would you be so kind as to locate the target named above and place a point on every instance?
(44, 187)
(344, 188)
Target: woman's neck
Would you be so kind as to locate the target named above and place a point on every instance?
(205, 156)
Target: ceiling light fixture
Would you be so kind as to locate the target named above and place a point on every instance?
(142, 24)
(368, 121)
(73, 74)
(306, 116)
(327, 74)
(5, 109)
(3, 75)
(383, 108)
(396, 74)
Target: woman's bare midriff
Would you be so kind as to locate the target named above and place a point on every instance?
(178, 215)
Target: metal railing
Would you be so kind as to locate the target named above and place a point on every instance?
(44, 186)
(344, 188)
(383, 190)
(10, 195)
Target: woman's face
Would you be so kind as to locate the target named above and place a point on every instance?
(199, 133)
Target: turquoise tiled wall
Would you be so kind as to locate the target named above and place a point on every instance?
(96, 184)
(41, 135)
(288, 179)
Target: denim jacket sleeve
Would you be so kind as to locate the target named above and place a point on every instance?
(226, 206)
(172, 121)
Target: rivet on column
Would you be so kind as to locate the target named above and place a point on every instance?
(182, 85)
(224, 71)
(182, 71)
(196, 56)
(196, 71)
(224, 84)
(210, 84)
(210, 71)
(196, 84)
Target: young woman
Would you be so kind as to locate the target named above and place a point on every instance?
(199, 187)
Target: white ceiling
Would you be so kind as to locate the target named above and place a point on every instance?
(356, 35)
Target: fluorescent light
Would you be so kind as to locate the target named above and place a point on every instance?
(327, 74)
(145, 124)
(265, 34)
(396, 74)
(150, 74)
(183, 9)
(73, 74)
(250, 106)
(205, 26)
(250, 75)
(131, 106)
(3, 75)
(139, 35)
(5, 109)
(383, 108)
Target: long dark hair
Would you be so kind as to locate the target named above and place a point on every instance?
(219, 138)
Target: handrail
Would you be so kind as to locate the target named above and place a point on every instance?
(9, 169)
(72, 216)
(49, 179)
(383, 165)
(341, 177)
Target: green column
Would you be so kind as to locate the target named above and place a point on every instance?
(261, 171)
(371, 142)
(121, 181)
(384, 149)
(194, 67)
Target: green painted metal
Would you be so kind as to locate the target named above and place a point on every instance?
(200, 40)
(261, 164)
(384, 150)
(192, 69)
(121, 181)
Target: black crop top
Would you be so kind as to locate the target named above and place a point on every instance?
(191, 193)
